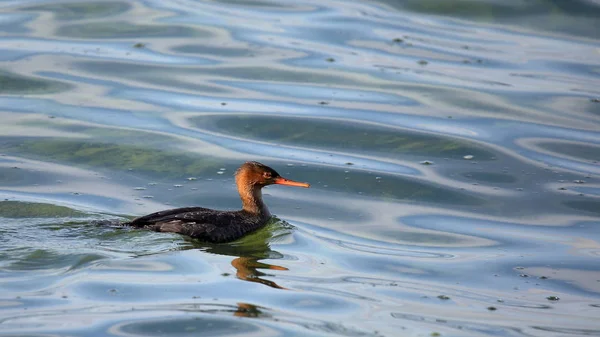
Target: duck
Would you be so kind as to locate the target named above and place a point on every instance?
(217, 226)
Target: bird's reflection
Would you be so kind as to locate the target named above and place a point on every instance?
(248, 310)
(247, 270)
(249, 250)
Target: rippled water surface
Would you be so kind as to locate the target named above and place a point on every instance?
(452, 148)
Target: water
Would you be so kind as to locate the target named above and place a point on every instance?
(452, 148)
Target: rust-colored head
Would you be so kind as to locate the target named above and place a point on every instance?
(253, 173)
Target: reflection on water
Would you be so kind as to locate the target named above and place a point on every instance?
(252, 248)
(452, 148)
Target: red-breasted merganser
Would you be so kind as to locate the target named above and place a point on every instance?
(222, 226)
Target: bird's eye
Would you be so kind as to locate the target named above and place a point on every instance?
(267, 175)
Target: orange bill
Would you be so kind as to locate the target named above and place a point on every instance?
(283, 181)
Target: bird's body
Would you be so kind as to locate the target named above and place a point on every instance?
(221, 226)
(202, 223)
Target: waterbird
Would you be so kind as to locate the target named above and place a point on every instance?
(222, 226)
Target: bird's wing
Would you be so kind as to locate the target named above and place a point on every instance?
(153, 218)
(197, 222)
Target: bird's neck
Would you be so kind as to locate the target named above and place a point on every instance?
(252, 201)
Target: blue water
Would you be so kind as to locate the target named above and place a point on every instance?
(452, 148)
